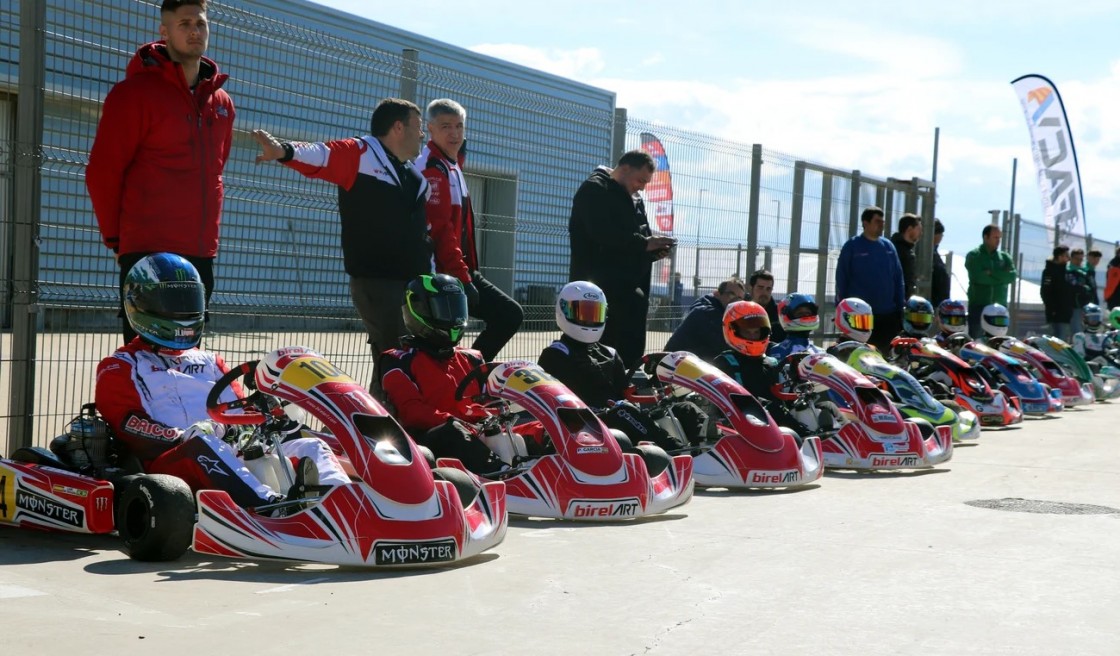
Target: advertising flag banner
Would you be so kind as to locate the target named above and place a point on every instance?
(659, 191)
(1052, 144)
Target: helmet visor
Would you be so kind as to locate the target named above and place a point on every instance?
(953, 320)
(448, 310)
(997, 320)
(920, 319)
(861, 322)
(586, 313)
(172, 300)
(752, 327)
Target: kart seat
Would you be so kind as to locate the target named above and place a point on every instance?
(37, 455)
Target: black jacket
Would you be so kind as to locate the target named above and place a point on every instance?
(909, 261)
(594, 372)
(1057, 294)
(757, 375)
(939, 284)
(701, 332)
(607, 231)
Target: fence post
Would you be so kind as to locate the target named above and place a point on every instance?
(618, 135)
(767, 260)
(795, 226)
(25, 258)
(854, 210)
(410, 71)
(823, 230)
(752, 210)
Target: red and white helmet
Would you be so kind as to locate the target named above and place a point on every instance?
(855, 319)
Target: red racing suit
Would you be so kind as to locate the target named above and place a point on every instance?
(450, 214)
(155, 170)
(155, 402)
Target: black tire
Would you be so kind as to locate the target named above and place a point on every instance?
(155, 517)
(462, 481)
(655, 458)
(828, 416)
(428, 455)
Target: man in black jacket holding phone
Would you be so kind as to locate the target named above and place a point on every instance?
(613, 247)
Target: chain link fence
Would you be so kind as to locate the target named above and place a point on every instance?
(304, 72)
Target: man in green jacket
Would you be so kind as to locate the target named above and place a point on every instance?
(990, 274)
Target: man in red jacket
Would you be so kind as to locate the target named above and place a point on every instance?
(451, 217)
(165, 133)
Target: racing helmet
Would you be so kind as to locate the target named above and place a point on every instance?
(994, 320)
(744, 316)
(798, 313)
(1114, 318)
(581, 311)
(917, 316)
(1092, 318)
(854, 319)
(952, 316)
(957, 342)
(435, 310)
(165, 302)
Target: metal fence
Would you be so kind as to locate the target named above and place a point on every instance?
(305, 72)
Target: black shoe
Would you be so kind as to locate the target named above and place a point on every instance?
(306, 485)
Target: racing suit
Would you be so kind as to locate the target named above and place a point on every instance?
(147, 395)
(420, 384)
(759, 375)
(1093, 345)
(795, 342)
(596, 374)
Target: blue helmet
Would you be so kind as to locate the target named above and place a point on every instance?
(917, 316)
(165, 302)
(798, 313)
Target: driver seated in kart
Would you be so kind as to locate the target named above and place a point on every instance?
(152, 392)
(1094, 342)
(952, 319)
(420, 378)
(596, 374)
(797, 313)
(917, 320)
(746, 329)
(994, 322)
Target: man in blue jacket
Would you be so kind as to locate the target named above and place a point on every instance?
(701, 332)
(869, 268)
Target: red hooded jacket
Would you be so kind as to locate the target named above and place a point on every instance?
(155, 171)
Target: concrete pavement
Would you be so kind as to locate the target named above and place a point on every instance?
(863, 564)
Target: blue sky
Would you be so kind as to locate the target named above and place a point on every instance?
(857, 84)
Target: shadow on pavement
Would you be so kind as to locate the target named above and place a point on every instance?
(753, 492)
(853, 474)
(25, 547)
(546, 522)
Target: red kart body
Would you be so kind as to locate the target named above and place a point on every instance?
(1047, 371)
(39, 496)
(589, 478)
(873, 435)
(971, 391)
(754, 452)
(398, 514)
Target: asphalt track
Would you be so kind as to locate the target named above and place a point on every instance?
(863, 564)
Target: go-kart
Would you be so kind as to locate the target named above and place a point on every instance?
(1048, 372)
(588, 476)
(872, 434)
(400, 512)
(1011, 378)
(952, 380)
(751, 450)
(911, 398)
(85, 484)
(1075, 365)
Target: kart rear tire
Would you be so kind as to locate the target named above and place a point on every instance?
(655, 458)
(155, 517)
(462, 481)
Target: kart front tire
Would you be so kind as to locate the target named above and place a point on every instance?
(155, 517)
(655, 458)
(462, 481)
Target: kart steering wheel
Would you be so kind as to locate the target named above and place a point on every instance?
(648, 363)
(479, 374)
(253, 408)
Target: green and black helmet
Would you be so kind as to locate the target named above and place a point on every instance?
(435, 310)
(165, 301)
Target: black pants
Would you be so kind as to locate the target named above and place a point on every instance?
(887, 327)
(626, 324)
(378, 301)
(205, 266)
(502, 314)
